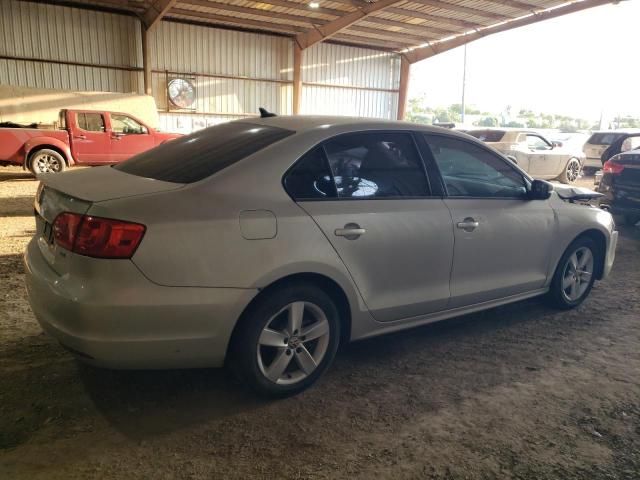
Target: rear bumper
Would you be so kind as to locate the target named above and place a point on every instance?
(591, 162)
(119, 319)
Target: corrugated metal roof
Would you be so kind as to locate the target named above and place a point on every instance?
(397, 26)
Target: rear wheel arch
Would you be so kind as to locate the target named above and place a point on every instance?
(35, 149)
(328, 285)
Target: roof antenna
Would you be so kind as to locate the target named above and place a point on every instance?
(264, 113)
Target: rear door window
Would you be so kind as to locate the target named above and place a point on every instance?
(310, 178)
(376, 164)
(91, 122)
(199, 155)
(606, 138)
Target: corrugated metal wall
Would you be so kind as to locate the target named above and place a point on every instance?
(350, 81)
(214, 59)
(75, 36)
(234, 72)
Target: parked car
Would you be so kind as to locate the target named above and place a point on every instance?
(534, 153)
(597, 144)
(263, 244)
(87, 138)
(627, 141)
(620, 185)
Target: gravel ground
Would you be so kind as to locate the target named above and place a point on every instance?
(517, 392)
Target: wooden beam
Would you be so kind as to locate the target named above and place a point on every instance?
(302, 7)
(367, 42)
(418, 28)
(297, 78)
(156, 11)
(520, 5)
(315, 35)
(240, 22)
(435, 48)
(449, 7)
(227, 7)
(442, 21)
(405, 71)
(146, 60)
(398, 37)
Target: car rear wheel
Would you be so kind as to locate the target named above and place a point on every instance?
(46, 160)
(574, 275)
(571, 171)
(286, 341)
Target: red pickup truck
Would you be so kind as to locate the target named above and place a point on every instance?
(86, 138)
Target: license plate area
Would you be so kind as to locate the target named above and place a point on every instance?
(47, 232)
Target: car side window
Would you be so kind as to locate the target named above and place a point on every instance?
(91, 122)
(535, 142)
(376, 164)
(471, 171)
(310, 178)
(126, 125)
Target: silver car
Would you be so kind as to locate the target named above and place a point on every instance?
(263, 244)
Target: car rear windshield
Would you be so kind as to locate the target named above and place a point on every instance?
(604, 138)
(199, 155)
(487, 135)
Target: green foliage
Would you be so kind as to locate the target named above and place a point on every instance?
(418, 111)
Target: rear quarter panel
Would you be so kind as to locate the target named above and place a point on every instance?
(17, 143)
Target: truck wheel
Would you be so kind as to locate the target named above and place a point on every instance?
(571, 171)
(46, 160)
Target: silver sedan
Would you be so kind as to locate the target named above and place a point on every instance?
(263, 244)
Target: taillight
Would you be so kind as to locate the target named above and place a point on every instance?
(612, 167)
(96, 236)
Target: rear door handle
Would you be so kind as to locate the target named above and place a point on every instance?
(81, 137)
(351, 231)
(468, 224)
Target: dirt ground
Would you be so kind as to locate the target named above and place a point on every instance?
(518, 392)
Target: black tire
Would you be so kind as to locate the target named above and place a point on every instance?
(557, 295)
(46, 160)
(245, 350)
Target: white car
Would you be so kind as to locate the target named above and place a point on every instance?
(535, 154)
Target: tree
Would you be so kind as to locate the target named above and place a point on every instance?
(488, 122)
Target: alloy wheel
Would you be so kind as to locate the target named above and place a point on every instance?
(293, 343)
(46, 163)
(573, 170)
(577, 274)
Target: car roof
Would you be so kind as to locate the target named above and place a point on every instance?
(302, 123)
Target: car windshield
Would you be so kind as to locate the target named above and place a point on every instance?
(491, 136)
(199, 155)
(606, 138)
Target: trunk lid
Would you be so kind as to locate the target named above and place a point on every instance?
(99, 184)
(75, 192)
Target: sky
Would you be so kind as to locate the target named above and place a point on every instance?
(579, 65)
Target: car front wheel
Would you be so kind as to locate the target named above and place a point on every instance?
(575, 274)
(286, 341)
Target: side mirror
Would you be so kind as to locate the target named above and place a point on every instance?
(540, 190)
(556, 143)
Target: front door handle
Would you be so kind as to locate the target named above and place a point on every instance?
(351, 231)
(80, 137)
(468, 224)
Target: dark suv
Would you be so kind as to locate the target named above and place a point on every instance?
(620, 185)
